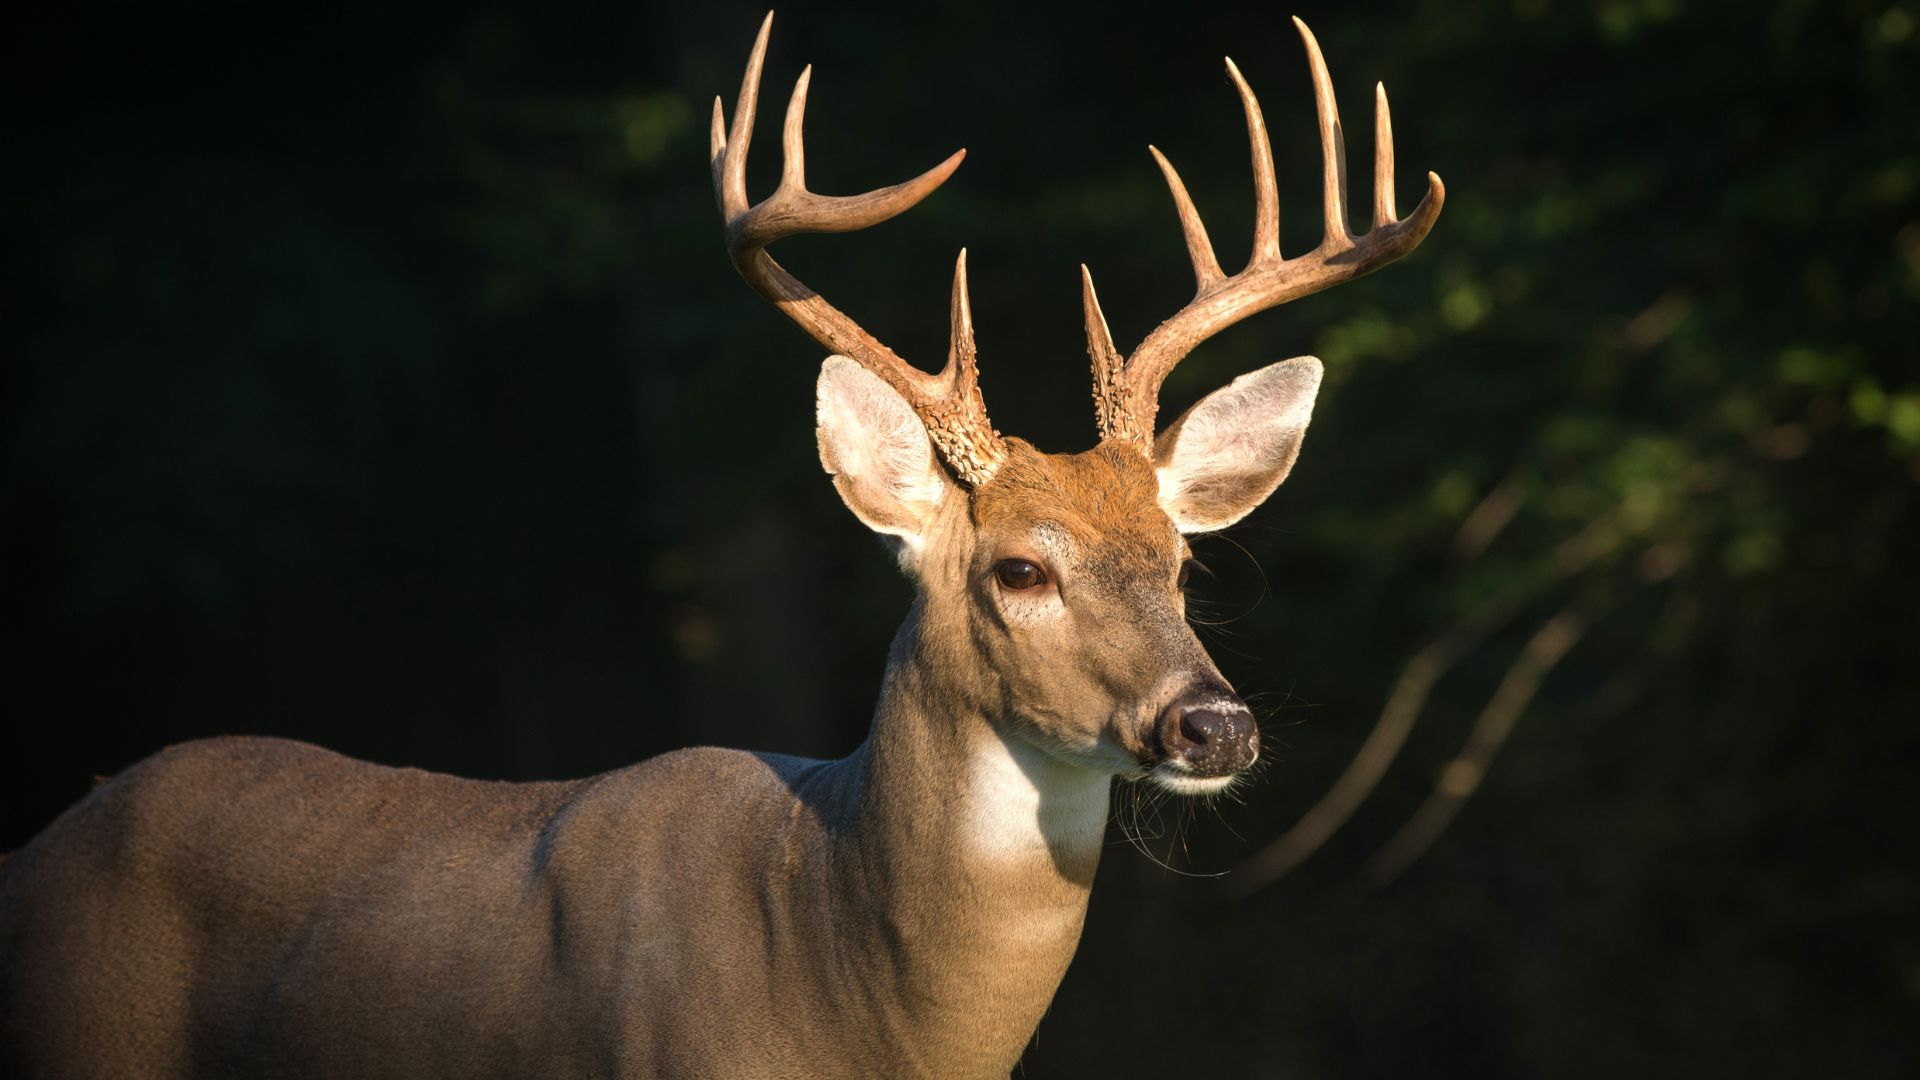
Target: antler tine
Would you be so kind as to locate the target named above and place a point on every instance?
(1206, 266)
(957, 422)
(1382, 158)
(717, 154)
(960, 349)
(733, 194)
(1128, 395)
(1426, 210)
(793, 147)
(1333, 145)
(1266, 190)
(949, 404)
(1109, 367)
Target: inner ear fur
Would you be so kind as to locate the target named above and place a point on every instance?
(876, 450)
(1224, 456)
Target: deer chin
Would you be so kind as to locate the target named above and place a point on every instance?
(1180, 780)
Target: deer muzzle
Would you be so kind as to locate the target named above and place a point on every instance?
(1207, 732)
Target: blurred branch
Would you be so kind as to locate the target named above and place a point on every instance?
(1487, 520)
(1599, 538)
(1462, 776)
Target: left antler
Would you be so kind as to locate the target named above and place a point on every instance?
(948, 404)
(1126, 392)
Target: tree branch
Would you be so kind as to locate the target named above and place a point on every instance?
(1597, 539)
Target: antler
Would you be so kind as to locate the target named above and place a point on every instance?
(1127, 392)
(949, 404)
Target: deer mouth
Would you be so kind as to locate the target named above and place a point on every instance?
(1182, 782)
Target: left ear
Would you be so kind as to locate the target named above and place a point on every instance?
(1225, 455)
(877, 451)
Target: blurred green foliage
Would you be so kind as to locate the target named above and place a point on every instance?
(377, 378)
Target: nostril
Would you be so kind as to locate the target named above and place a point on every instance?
(1202, 726)
(1212, 736)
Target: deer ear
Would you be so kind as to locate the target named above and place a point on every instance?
(1225, 455)
(873, 445)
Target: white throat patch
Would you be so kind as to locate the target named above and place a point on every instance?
(1023, 801)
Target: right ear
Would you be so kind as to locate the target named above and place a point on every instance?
(873, 445)
(1227, 453)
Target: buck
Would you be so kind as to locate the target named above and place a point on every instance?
(259, 907)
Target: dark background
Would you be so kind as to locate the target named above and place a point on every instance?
(375, 377)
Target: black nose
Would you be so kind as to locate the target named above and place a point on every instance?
(1210, 731)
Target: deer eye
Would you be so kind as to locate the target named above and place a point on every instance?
(1019, 574)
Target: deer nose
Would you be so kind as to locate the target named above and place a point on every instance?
(1209, 731)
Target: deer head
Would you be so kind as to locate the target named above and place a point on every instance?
(1052, 584)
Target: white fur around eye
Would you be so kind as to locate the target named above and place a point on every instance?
(1030, 607)
(1042, 603)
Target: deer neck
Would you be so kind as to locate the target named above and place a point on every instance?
(975, 850)
(947, 773)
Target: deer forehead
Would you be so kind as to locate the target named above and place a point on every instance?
(1099, 506)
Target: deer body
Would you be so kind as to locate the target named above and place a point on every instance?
(416, 925)
(264, 907)
(256, 907)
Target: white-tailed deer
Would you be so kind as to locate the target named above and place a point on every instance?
(256, 907)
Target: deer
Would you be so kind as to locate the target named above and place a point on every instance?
(261, 907)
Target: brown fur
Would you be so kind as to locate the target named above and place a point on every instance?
(1106, 497)
(256, 907)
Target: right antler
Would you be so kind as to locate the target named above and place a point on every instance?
(949, 404)
(1127, 392)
